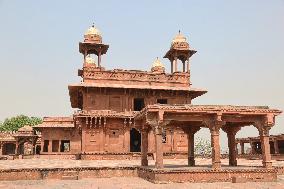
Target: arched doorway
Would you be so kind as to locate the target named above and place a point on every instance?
(135, 141)
(9, 148)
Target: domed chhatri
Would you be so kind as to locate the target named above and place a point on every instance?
(179, 50)
(93, 35)
(93, 44)
(158, 66)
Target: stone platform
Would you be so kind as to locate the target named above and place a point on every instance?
(175, 170)
(205, 174)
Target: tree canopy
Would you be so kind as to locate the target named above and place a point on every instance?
(202, 147)
(14, 123)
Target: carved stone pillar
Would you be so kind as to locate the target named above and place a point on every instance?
(99, 59)
(276, 147)
(253, 151)
(50, 146)
(231, 134)
(216, 160)
(187, 66)
(236, 147)
(265, 148)
(17, 148)
(175, 64)
(144, 147)
(190, 145)
(242, 148)
(158, 148)
(59, 147)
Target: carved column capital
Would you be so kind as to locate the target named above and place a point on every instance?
(231, 130)
(262, 127)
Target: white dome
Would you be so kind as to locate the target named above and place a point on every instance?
(93, 31)
(157, 63)
(179, 38)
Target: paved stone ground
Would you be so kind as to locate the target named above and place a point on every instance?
(123, 182)
(57, 163)
(132, 183)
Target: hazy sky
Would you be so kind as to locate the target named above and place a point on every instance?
(239, 60)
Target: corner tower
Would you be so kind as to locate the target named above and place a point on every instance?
(93, 44)
(180, 50)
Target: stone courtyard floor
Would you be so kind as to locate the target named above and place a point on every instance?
(132, 183)
(62, 163)
(124, 182)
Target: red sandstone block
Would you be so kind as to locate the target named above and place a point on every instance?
(239, 180)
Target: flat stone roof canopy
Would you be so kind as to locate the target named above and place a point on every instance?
(186, 113)
(191, 118)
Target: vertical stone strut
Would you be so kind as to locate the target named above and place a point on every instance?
(263, 128)
(158, 148)
(187, 66)
(276, 147)
(144, 147)
(190, 137)
(183, 66)
(216, 162)
(231, 134)
(265, 148)
(252, 147)
(17, 148)
(242, 148)
(175, 64)
(190, 146)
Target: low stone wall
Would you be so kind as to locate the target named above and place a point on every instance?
(60, 173)
(183, 175)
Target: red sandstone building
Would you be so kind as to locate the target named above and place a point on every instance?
(107, 101)
(124, 111)
(276, 143)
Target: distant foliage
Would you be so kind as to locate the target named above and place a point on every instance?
(14, 123)
(202, 147)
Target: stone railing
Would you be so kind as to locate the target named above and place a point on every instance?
(134, 77)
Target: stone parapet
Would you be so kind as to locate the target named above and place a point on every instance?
(135, 77)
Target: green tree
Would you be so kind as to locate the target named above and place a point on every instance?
(14, 123)
(202, 147)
